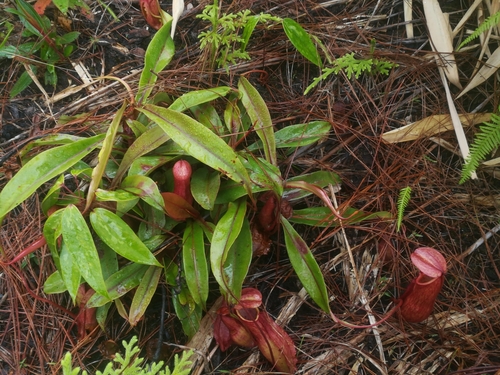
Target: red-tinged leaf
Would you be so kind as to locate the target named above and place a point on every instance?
(195, 262)
(316, 190)
(323, 216)
(418, 300)
(318, 178)
(429, 261)
(178, 208)
(143, 294)
(40, 6)
(145, 188)
(305, 266)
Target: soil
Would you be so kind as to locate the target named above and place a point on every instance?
(460, 337)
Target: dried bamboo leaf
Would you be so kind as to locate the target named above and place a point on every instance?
(441, 39)
(432, 125)
(489, 68)
(408, 7)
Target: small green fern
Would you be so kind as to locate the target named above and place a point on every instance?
(490, 22)
(485, 142)
(353, 66)
(403, 200)
(128, 365)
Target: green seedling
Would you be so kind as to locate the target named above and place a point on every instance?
(42, 46)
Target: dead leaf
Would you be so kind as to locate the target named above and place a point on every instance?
(432, 125)
(441, 39)
(488, 69)
(40, 6)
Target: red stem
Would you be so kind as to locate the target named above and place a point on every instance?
(349, 325)
(31, 248)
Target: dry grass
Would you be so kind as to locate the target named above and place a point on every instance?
(461, 337)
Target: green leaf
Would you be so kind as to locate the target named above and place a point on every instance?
(226, 231)
(68, 37)
(52, 230)
(205, 184)
(301, 40)
(199, 142)
(298, 135)
(120, 283)
(153, 138)
(260, 117)
(42, 168)
(238, 260)
(195, 262)
(115, 196)
(52, 195)
(104, 154)
(54, 284)
(230, 191)
(70, 272)
(264, 174)
(62, 5)
(207, 115)
(305, 266)
(194, 98)
(247, 31)
(188, 312)
(80, 244)
(120, 237)
(143, 294)
(159, 53)
(22, 83)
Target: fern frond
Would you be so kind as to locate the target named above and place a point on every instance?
(488, 23)
(485, 141)
(403, 200)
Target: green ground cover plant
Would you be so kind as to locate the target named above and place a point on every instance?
(41, 45)
(130, 364)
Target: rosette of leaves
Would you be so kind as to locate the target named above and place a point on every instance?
(114, 232)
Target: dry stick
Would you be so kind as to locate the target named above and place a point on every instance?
(363, 299)
(479, 242)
